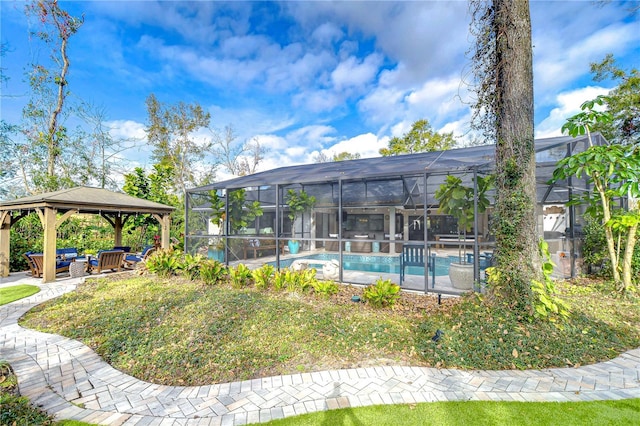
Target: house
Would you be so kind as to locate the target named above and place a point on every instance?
(366, 210)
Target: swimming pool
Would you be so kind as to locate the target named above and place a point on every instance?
(382, 264)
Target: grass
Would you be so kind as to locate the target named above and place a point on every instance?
(177, 332)
(624, 412)
(17, 292)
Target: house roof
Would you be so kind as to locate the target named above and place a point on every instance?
(438, 162)
(87, 200)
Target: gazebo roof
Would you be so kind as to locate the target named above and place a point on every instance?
(87, 200)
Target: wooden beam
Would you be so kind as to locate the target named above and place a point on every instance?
(165, 225)
(64, 217)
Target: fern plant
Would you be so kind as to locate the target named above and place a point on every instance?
(382, 293)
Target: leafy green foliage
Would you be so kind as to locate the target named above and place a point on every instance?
(382, 293)
(325, 288)
(581, 123)
(164, 263)
(614, 171)
(622, 103)
(482, 336)
(241, 212)
(240, 276)
(263, 276)
(298, 202)
(170, 132)
(421, 138)
(457, 200)
(299, 281)
(280, 279)
(17, 410)
(191, 265)
(547, 305)
(212, 272)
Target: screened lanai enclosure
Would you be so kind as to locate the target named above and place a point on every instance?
(380, 218)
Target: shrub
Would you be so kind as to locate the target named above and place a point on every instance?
(262, 276)
(325, 288)
(164, 263)
(191, 265)
(280, 279)
(382, 293)
(239, 275)
(212, 271)
(300, 281)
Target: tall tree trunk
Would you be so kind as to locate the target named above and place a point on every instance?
(517, 252)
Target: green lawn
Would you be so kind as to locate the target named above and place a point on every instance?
(623, 412)
(16, 292)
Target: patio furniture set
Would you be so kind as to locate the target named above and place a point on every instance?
(69, 260)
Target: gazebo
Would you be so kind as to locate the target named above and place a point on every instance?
(54, 208)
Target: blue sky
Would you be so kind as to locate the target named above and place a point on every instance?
(306, 77)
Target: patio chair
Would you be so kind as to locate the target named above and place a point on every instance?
(107, 259)
(131, 260)
(36, 263)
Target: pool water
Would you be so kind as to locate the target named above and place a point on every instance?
(382, 264)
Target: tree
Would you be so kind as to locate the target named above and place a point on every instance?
(504, 110)
(170, 131)
(344, 156)
(322, 157)
(421, 138)
(154, 187)
(45, 112)
(248, 164)
(240, 159)
(99, 153)
(614, 171)
(622, 103)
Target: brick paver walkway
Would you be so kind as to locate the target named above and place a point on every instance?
(70, 381)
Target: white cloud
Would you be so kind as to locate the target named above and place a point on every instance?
(568, 105)
(355, 73)
(126, 129)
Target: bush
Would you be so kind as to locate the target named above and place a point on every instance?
(240, 276)
(262, 276)
(212, 271)
(164, 263)
(325, 288)
(300, 281)
(382, 293)
(191, 265)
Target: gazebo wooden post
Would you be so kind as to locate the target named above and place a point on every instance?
(49, 244)
(165, 227)
(5, 241)
(117, 229)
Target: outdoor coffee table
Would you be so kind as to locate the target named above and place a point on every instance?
(78, 268)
